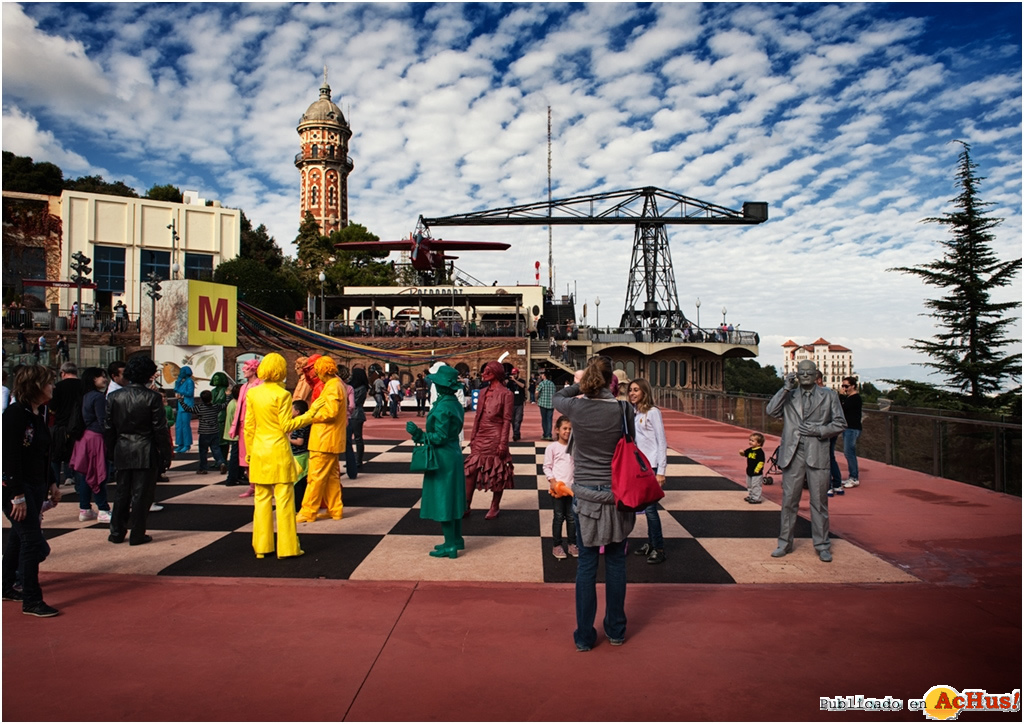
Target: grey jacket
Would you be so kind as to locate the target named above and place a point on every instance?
(824, 420)
(596, 429)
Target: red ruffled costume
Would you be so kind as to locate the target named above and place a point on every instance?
(489, 465)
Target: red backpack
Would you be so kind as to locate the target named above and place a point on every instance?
(634, 484)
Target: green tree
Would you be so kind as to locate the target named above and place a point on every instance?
(317, 253)
(22, 174)
(273, 290)
(96, 185)
(166, 192)
(746, 376)
(969, 350)
(258, 244)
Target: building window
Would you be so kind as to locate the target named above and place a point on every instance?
(109, 265)
(673, 368)
(653, 368)
(158, 262)
(663, 372)
(682, 373)
(199, 266)
(315, 151)
(631, 369)
(314, 196)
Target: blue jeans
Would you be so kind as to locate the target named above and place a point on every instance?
(850, 450)
(654, 536)
(85, 494)
(835, 477)
(586, 591)
(546, 413)
(210, 441)
(233, 473)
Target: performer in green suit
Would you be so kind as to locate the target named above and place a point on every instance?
(444, 489)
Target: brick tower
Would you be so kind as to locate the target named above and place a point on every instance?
(323, 162)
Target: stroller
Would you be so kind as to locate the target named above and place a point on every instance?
(771, 467)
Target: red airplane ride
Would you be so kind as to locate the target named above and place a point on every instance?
(425, 253)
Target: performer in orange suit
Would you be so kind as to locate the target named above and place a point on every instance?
(329, 417)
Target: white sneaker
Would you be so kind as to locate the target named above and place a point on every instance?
(103, 516)
(85, 515)
(154, 508)
(851, 483)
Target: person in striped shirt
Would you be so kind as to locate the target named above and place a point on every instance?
(209, 429)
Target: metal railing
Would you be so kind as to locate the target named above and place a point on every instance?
(985, 453)
(686, 336)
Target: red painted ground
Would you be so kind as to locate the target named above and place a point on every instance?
(158, 648)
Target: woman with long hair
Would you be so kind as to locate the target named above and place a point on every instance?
(89, 457)
(650, 438)
(597, 425)
(360, 387)
(29, 483)
(489, 465)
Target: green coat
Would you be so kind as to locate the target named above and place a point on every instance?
(444, 489)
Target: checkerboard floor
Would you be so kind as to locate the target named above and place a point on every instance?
(711, 534)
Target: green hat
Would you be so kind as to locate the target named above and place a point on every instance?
(445, 376)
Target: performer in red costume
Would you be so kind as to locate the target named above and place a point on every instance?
(489, 465)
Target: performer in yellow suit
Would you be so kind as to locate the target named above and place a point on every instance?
(272, 468)
(329, 415)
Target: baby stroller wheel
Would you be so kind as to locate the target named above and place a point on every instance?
(767, 481)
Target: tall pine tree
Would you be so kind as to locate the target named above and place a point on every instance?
(969, 350)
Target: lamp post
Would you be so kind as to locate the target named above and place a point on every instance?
(174, 249)
(80, 264)
(323, 310)
(724, 310)
(698, 314)
(154, 294)
(597, 312)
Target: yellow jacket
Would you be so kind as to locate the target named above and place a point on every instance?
(329, 415)
(268, 420)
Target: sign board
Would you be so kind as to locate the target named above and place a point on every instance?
(212, 314)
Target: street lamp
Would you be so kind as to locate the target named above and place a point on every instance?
(698, 314)
(80, 263)
(724, 310)
(323, 309)
(597, 311)
(174, 250)
(154, 294)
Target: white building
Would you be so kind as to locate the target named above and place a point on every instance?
(834, 360)
(127, 238)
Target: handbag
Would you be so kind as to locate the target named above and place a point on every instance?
(634, 483)
(424, 459)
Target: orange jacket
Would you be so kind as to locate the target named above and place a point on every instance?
(329, 415)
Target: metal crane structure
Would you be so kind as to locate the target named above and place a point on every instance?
(651, 298)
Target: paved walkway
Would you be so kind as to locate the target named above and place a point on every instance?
(144, 647)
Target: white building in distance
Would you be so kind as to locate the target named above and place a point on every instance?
(834, 360)
(127, 238)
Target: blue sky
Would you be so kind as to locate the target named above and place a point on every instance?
(840, 116)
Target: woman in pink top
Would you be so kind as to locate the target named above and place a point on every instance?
(238, 424)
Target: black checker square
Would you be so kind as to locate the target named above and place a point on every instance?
(199, 516)
(233, 556)
(508, 523)
(380, 497)
(736, 523)
(686, 561)
(701, 482)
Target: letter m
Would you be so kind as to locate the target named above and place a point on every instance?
(215, 321)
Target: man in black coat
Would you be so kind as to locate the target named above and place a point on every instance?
(136, 430)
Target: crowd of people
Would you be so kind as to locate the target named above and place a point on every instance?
(113, 425)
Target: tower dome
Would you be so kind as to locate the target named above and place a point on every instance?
(324, 163)
(323, 110)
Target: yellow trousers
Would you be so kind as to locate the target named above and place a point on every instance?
(323, 484)
(263, 520)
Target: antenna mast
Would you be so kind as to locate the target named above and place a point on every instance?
(551, 273)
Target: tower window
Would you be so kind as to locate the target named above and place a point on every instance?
(314, 196)
(314, 151)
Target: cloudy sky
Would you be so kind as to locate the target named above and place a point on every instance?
(842, 117)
